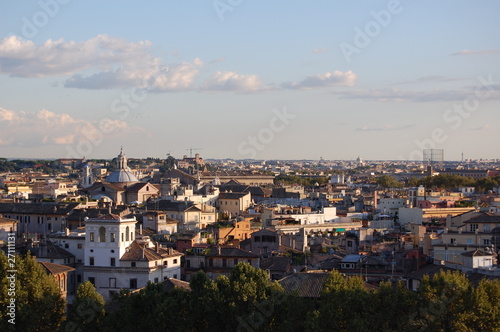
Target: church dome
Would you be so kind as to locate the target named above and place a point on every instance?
(123, 172)
(122, 176)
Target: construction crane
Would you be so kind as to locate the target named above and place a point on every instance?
(191, 151)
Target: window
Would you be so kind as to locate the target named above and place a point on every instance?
(453, 241)
(175, 261)
(112, 237)
(66, 245)
(156, 280)
(80, 246)
(102, 234)
(126, 233)
(112, 282)
(91, 235)
(165, 263)
(131, 236)
(132, 264)
(469, 241)
(224, 262)
(79, 278)
(473, 227)
(235, 261)
(211, 262)
(487, 228)
(91, 261)
(133, 283)
(175, 276)
(486, 242)
(113, 261)
(92, 280)
(122, 237)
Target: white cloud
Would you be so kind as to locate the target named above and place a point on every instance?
(23, 58)
(480, 52)
(384, 128)
(391, 95)
(48, 128)
(320, 50)
(231, 81)
(336, 78)
(102, 62)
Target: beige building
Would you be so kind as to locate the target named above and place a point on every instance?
(234, 203)
(474, 233)
(7, 226)
(232, 230)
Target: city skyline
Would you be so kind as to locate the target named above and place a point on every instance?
(284, 80)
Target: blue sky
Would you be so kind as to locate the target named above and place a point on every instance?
(249, 79)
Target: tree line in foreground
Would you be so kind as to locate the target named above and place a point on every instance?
(248, 301)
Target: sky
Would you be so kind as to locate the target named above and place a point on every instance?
(242, 79)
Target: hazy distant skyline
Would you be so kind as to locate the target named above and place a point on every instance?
(249, 79)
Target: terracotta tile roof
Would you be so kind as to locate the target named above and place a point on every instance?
(230, 252)
(50, 250)
(172, 283)
(98, 185)
(50, 208)
(80, 214)
(8, 221)
(304, 284)
(476, 253)
(109, 216)
(53, 268)
(164, 205)
(137, 252)
(275, 264)
(484, 218)
(232, 195)
(138, 186)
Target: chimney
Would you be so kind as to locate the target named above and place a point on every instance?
(140, 229)
(219, 250)
(66, 231)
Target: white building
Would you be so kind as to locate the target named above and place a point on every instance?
(390, 206)
(327, 214)
(114, 259)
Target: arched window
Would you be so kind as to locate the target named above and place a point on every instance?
(126, 234)
(102, 234)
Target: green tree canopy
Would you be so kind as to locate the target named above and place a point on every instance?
(87, 310)
(39, 305)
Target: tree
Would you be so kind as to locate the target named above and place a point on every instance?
(151, 308)
(414, 182)
(484, 312)
(443, 302)
(387, 181)
(39, 305)
(394, 307)
(87, 310)
(345, 305)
